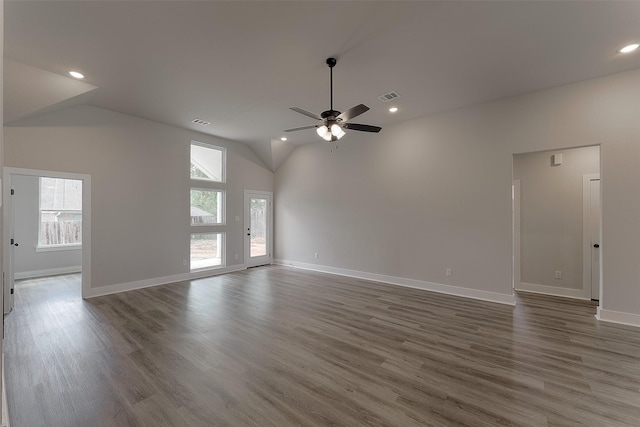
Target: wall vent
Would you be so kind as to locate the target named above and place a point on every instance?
(200, 122)
(389, 96)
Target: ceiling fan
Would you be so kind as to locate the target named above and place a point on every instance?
(334, 122)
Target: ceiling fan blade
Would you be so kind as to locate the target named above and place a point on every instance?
(353, 112)
(363, 128)
(306, 113)
(301, 128)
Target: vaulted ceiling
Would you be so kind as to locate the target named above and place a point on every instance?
(240, 65)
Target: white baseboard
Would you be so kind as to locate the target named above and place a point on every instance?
(157, 281)
(47, 272)
(5, 406)
(553, 290)
(618, 317)
(410, 283)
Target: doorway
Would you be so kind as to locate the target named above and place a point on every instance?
(554, 214)
(258, 207)
(65, 225)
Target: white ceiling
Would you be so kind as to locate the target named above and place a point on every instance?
(240, 64)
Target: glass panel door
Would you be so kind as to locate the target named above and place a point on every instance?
(258, 224)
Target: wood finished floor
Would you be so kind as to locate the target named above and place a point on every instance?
(281, 347)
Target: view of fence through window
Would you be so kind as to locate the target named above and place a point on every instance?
(60, 212)
(258, 227)
(206, 207)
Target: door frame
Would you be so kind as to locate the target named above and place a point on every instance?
(586, 235)
(8, 224)
(247, 226)
(515, 211)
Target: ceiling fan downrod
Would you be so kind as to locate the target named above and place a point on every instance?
(331, 62)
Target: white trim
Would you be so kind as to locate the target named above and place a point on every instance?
(221, 246)
(620, 317)
(55, 248)
(409, 283)
(47, 272)
(584, 294)
(221, 207)
(515, 196)
(157, 281)
(268, 259)
(223, 172)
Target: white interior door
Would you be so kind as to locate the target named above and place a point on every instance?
(9, 244)
(594, 233)
(258, 225)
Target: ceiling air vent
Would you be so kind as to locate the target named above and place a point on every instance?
(389, 96)
(200, 122)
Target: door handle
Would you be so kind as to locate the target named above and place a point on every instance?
(596, 245)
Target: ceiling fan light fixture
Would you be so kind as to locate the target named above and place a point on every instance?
(337, 131)
(322, 131)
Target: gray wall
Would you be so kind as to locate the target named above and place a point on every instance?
(27, 261)
(551, 215)
(435, 193)
(140, 186)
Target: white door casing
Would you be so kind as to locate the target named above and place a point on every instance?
(7, 227)
(258, 228)
(515, 200)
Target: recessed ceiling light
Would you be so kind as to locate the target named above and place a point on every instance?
(629, 48)
(76, 74)
(393, 109)
(284, 138)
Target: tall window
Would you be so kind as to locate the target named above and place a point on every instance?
(60, 212)
(207, 206)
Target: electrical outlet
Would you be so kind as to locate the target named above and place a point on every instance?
(558, 274)
(185, 262)
(315, 255)
(236, 257)
(449, 272)
(237, 218)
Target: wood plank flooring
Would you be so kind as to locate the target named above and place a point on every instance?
(275, 346)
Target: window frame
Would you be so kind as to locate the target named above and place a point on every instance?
(40, 247)
(222, 205)
(223, 167)
(208, 184)
(221, 250)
